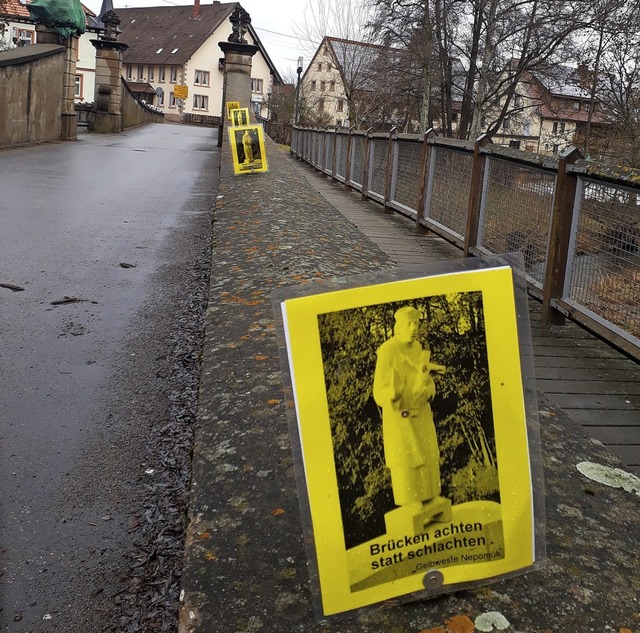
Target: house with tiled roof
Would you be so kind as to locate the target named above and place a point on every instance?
(549, 111)
(340, 84)
(172, 46)
(16, 27)
(368, 85)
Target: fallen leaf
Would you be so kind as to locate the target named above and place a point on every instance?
(277, 512)
(437, 629)
(261, 357)
(273, 401)
(460, 624)
(209, 555)
(203, 536)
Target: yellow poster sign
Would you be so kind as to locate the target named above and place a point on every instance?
(231, 105)
(247, 149)
(240, 116)
(412, 429)
(180, 92)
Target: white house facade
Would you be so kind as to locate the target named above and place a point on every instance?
(176, 47)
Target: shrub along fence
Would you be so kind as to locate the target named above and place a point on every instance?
(576, 222)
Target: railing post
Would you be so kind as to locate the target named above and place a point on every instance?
(335, 153)
(388, 169)
(365, 164)
(559, 236)
(347, 169)
(475, 194)
(424, 170)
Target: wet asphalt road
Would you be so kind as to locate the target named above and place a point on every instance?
(98, 233)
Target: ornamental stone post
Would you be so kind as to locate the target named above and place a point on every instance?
(237, 66)
(108, 90)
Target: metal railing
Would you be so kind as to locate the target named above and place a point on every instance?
(576, 222)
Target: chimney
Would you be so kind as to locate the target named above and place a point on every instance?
(196, 9)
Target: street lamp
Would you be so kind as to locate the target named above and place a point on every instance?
(297, 109)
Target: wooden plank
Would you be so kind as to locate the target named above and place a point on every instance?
(604, 375)
(611, 403)
(577, 352)
(628, 454)
(621, 435)
(584, 363)
(558, 341)
(602, 417)
(593, 387)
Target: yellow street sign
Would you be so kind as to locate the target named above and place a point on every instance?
(181, 92)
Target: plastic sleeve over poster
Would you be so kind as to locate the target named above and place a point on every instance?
(413, 418)
(247, 149)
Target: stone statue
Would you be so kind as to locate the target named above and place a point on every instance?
(403, 388)
(247, 146)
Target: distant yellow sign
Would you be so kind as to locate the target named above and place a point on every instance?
(181, 92)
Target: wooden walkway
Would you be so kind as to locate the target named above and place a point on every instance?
(587, 378)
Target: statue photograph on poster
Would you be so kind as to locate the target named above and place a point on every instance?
(409, 400)
(247, 145)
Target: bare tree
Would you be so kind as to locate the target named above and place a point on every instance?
(495, 41)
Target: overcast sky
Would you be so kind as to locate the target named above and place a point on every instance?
(272, 19)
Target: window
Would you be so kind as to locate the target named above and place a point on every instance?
(200, 102)
(174, 75)
(321, 105)
(517, 101)
(23, 37)
(172, 100)
(161, 70)
(323, 86)
(201, 78)
(256, 85)
(313, 85)
(77, 90)
(328, 66)
(576, 106)
(555, 148)
(454, 117)
(340, 107)
(128, 72)
(506, 124)
(151, 73)
(160, 94)
(332, 86)
(558, 127)
(527, 127)
(140, 72)
(514, 144)
(320, 66)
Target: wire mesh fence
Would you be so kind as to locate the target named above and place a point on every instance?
(602, 276)
(377, 166)
(448, 189)
(342, 143)
(405, 188)
(357, 161)
(330, 142)
(515, 214)
(320, 150)
(604, 273)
